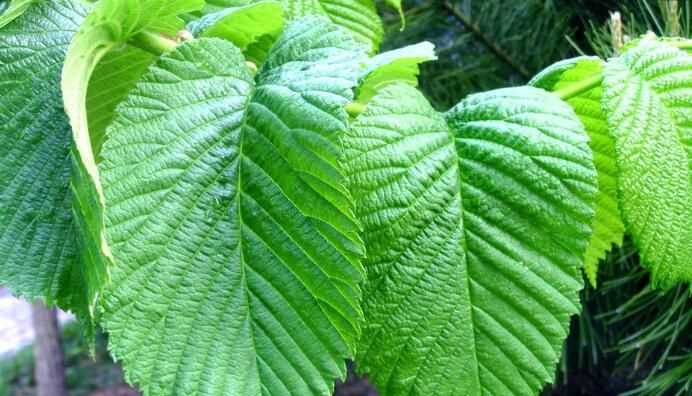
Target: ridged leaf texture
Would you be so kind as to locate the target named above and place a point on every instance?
(252, 27)
(38, 253)
(647, 97)
(237, 250)
(242, 25)
(359, 17)
(476, 227)
(608, 229)
(13, 10)
(109, 26)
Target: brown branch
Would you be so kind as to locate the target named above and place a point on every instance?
(487, 41)
(48, 355)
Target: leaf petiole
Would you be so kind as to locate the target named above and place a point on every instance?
(354, 109)
(154, 43)
(683, 44)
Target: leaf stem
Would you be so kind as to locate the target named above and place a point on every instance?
(153, 43)
(581, 87)
(683, 45)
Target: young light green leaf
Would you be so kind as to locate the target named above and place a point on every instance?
(396, 66)
(111, 24)
(649, 107)
(242, 25)
(608, 229)
(357, 16)
(37, 240)
(475, 230)
(238, 253)
(248, 27)
(114, 76)
(14, 10)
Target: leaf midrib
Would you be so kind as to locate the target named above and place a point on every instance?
(464, 245)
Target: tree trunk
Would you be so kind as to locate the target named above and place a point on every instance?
(48, 355)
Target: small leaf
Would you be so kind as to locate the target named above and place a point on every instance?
(608, 229)
(15, 9)
(357, 16)
(244, 25)
(649, 107)
(396, 66)
(256, 24)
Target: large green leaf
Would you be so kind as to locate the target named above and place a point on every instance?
(237, 251)
(608, 229)
(357, 16)
(649, 107)
(476, 231)
(37, 240)
(110, 25)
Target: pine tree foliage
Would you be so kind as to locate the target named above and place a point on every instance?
(481, 45)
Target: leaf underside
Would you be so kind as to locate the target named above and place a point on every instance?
(238, 255)
(608, 229)
(647, 96)
(476, 228)
(37, 240)
(114, 76)
(107, 28)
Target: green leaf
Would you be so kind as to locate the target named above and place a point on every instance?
(114, 76)
(647, 99)
(220, 4)
(357, 16)
(37, 241)
(248, 27)
(15, 9)
(238, 253)
(241, 25)
(475, 229)
(110, 25)
(396, 66)
(608, 229)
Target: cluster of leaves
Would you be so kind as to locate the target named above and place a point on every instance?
(630, 337)
(245, 209)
